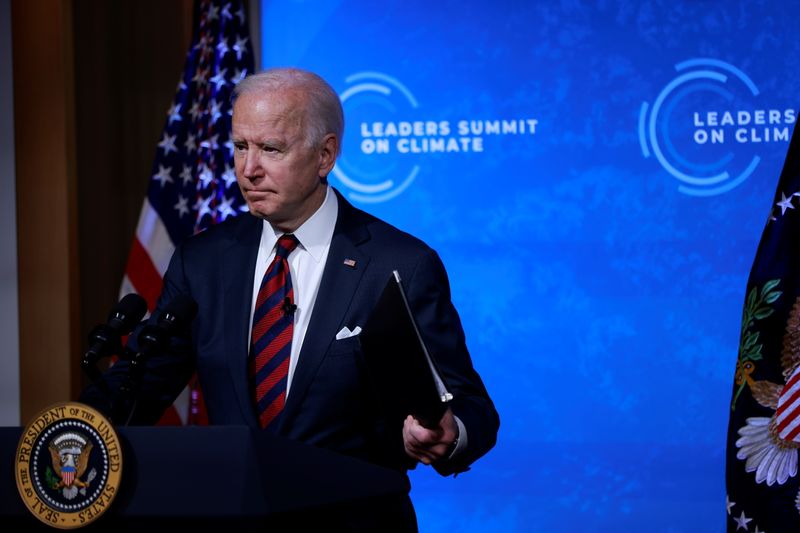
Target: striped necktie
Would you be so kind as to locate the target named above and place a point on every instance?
(271, 340)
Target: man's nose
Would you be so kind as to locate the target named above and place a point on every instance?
(251, 169)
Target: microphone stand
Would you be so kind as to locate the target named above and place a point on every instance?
(128, 399)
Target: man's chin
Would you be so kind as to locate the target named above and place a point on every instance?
(263, 210)
(270, 215)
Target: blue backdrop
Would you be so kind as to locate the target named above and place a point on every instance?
(611, 165)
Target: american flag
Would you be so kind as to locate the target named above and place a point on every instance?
(193, 183)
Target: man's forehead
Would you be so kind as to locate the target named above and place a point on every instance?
(279, 109)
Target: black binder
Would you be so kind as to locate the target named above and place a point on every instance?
(404, 375)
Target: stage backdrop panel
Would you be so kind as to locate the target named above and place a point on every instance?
(595, 177)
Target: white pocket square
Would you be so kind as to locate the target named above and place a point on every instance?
(345, 333)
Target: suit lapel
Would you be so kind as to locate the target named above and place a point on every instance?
(336, 291)
(239, 263)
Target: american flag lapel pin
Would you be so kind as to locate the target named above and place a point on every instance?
(350, 262)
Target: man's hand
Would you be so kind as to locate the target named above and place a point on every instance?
(429, 444)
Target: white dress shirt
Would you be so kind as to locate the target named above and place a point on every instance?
(306, 264)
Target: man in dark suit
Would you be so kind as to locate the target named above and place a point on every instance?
(286, 133)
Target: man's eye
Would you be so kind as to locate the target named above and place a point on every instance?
(239, 147)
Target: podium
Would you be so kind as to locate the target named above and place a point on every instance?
(227, 476)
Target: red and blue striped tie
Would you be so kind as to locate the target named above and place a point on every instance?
(271, 341)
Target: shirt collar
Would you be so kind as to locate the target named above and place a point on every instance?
(316, 233)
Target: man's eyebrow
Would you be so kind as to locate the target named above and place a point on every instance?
(271, 141)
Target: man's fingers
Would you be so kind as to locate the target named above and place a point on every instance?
(421, 434)
(421, 455)
(423, 444)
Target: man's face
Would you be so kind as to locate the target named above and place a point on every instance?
(278, 173)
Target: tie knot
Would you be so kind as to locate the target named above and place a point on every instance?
(286, 243)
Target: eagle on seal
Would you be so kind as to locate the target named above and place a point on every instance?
(70, 461)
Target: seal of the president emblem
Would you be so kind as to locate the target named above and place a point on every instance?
(68, 465)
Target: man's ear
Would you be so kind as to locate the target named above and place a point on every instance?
(327, 154)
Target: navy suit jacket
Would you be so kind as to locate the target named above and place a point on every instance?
(331, 402)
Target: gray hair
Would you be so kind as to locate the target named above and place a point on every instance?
(324, 111)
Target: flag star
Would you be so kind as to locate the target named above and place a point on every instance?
(186, 175)
(785, 203)
(195, 110)
(223, 48)
(204, 207)
(226, 12)
(168, 144)
(206, 176)
(240, 14)
(163, 175)
(225, 210)
(729, 503)
(174, 113)
(211, 142)
(243, 208)
(239, 47)
(215, 111)
(182, 207)
(229, 176)
(742, 521)
(201, 77)
(190, 143)
(219, 78)
(239, 76)
(213, 12)
(229, 146)
(758, 530)
(202, 42)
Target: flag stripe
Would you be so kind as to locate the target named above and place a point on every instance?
(155, 238)
(791, 430)
(788, 399)
(143, 274)
(788, 417)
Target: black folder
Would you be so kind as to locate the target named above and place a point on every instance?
(403, 373)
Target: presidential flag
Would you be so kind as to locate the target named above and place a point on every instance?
(763, 486)
(193, 183)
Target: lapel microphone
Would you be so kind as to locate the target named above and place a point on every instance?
(288, 307)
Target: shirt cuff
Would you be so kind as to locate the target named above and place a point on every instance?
(461, 440)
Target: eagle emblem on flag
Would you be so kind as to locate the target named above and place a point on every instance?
(768, 445)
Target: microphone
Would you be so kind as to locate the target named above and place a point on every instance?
(288, 307)
(177, 316)
(104, 339)
(175, 319)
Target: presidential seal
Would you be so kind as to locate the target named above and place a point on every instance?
(68, 465)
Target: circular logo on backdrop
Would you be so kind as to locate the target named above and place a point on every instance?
(390, 138)
(705, 127)
(368, 92)
(68, 465)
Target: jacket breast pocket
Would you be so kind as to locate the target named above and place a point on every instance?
(350, 346)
